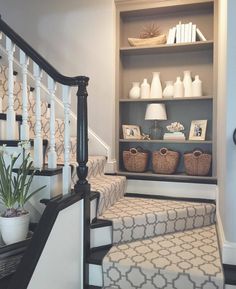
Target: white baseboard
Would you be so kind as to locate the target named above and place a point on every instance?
(228, 249)
(230, 286)
(110, 167)
(172, 189)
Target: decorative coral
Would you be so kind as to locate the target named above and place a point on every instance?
(175, 127)
(149, 31)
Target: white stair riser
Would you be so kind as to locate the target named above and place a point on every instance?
(100, 236)
(93, 209)
(95, 275)
(3, 129)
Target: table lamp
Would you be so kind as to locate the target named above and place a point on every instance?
(156, 111)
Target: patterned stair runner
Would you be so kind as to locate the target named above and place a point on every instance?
(140, 218)
(111, 188)
(184, 260)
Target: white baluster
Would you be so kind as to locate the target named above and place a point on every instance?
(2, 125)
(66, 95)
(1, 83)
(24, 128)
(1, 94)
(11, 115)
(38, 142)
(52, 156)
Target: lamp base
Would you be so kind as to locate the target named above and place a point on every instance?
(156, 132)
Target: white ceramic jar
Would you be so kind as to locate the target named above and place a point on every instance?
(145, 89)
(156, 88)
(168, 92)
(187, 81)
(178, 88)
(134, 92)
(197, 86)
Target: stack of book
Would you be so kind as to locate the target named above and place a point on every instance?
(174, 136)
(182, 33)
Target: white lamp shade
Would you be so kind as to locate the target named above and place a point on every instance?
(156, 111)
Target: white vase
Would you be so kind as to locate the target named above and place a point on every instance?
(187, 81)
(197, 86)
(156, 88)
(134, 92)
(178, 88)
(168, 92)
(145, 89)
(14, 229)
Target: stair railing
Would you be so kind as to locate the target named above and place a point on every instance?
(40, 66)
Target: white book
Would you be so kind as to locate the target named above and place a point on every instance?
(178, 32)
(186, 27)
(194, 38)
(169, 36)
(173, 35)
(200, 35)
(190, 31)
(182, 33)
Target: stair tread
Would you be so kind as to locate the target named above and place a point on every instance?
(96, 255)
(187, 259)
(138, 218)
(100, 223)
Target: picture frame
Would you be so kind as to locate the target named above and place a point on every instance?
(131, 131)
(198, 129)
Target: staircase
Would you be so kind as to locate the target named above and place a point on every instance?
(151, 243)
(130, 242)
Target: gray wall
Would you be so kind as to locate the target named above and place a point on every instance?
(227, 118)
(77, 37)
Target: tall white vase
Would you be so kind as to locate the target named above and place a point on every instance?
(145, 89)
(187, 81)
(156, 88)
(178, 88)
(134, 92)
(197, 86)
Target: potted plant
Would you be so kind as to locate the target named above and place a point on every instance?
(14, 193)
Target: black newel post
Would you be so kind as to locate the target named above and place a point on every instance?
(82, 186)
(82, 134)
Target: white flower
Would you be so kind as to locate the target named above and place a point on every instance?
(25, 144)
(14, 155)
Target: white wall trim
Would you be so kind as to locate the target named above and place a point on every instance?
(172, 189)
(228, 249)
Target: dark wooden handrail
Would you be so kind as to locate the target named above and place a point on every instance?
(37, 58)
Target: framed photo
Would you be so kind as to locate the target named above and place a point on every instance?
(198, 130)
(131, 132)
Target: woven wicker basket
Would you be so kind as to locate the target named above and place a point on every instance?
(197, 163)
(165, 161)
(11, 255)
(135, 160)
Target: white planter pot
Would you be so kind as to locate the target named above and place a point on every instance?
(14, 229)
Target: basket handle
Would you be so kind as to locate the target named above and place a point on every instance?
(133, 151)
(163, 151)
(197, 153)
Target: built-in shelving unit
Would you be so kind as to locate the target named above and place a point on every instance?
(167, 48)
(136, 63)
(166, 99)
(165, 141)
